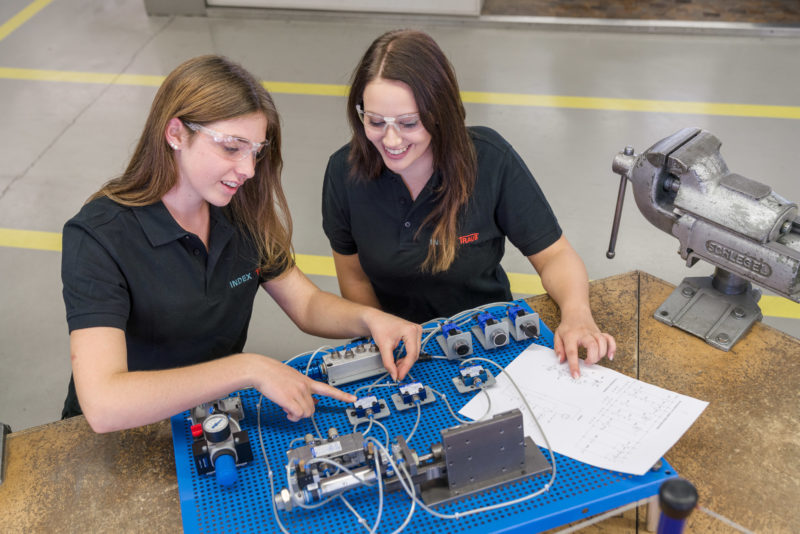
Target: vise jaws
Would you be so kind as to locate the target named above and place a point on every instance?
(747, 231)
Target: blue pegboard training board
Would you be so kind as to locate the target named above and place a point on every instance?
(579, 491)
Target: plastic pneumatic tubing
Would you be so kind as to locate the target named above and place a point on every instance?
(678, 498)
(225, 469)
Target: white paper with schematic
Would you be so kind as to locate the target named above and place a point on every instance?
(603, 418)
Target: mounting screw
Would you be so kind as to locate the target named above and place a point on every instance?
(738, 313)
(724, 338)
(687, 292)
(628, 151)
(656, 466)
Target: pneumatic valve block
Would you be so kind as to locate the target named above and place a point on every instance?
(220, 444)
(522, 324)
(490, 332)
(454, 342)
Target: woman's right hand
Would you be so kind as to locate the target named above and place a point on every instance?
(291, 389)
(113, 398)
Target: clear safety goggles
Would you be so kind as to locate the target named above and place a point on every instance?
(230, 147)
(373, 122)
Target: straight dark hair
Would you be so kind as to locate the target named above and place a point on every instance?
(414, 58)
(203, 90)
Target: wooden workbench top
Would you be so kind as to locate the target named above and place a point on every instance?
(742, 453)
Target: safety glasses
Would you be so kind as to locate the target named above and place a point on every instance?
(373, 122)
(230, 147)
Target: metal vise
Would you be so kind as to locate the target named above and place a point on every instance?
(747, 231)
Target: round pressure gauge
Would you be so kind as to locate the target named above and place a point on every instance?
(217, 427)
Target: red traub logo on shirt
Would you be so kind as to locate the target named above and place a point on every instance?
(469, 238)
(244, 278)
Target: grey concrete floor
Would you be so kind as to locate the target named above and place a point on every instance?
(62, 139)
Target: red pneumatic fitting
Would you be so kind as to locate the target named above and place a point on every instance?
(197, 430)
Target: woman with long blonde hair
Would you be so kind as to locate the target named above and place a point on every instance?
(162, 265)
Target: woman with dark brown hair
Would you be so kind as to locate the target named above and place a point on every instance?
(161, 266)
(417, 206)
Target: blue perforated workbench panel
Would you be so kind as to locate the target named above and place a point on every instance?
(579, 491)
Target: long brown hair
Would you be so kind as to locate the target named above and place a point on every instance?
(415, 59)
(203, 90)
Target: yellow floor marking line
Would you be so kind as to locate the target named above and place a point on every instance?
(315, 89)
(773, 306)
(527, 284)
(30, 239)
(146, 80)
(311, 264)
(473, 97)
(22, 17)
(319, 265)
(39, 75)
(631, 104)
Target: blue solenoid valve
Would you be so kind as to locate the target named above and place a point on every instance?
(220, 444)
(411, 395)
(490, 332)
(408, 392)
(473, 378)
(454, 342)
(457, 342)
(366, 406)
(523, 324)
(474, 375)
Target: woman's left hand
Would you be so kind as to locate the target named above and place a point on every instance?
(573, 333)
(323, 314)
(388, 331)
(564, 278)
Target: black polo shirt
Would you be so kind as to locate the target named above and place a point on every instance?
(378, 220)
(136, 269)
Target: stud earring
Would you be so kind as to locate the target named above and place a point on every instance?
(174, 146)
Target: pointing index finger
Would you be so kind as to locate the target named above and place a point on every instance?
(321, 388)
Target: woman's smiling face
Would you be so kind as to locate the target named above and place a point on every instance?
(407, 153)
(204, 171)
